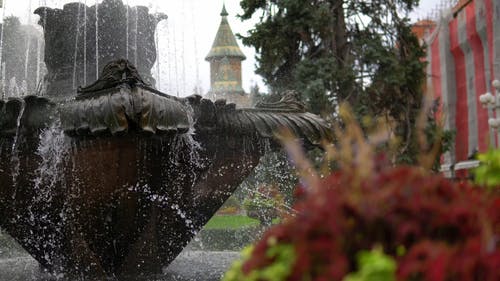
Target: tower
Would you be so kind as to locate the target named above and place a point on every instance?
(225, 59)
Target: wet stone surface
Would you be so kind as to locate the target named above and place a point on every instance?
(188, 266)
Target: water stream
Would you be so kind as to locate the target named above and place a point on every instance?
(136, 31)
(182, 53)
(2, 63)
(53, 149)
(28, 44)
(176, 69)
(85, 43)
(96, 39)
(4, 95)
(75, 55)
(38, 61)
(196, 55)
(158, 73)
(127, 35)
(16, 164)
(169, 55)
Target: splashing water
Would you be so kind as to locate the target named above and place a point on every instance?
(16, 164)
(183, 215)
(192, 144)
(13, 88)
(52, 150)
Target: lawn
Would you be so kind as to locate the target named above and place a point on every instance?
(230, 222)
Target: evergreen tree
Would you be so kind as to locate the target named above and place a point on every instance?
(334, 51)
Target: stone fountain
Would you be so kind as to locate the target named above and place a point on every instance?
(113, 179)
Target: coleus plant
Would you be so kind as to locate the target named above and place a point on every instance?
(433, 228)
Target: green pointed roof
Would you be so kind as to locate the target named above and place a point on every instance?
(225, 44)
(224, 12)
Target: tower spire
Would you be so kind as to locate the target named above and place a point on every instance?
(224, 13)
(225, 43)
(225, 58)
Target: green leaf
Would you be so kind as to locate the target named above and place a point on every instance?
(374, 266)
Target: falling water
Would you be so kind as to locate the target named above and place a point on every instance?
(3, 80)
(52, 150)
(40, 87)
(135, 34)
(193, 146)
(96, 39)
(28, 44)
(127, 16)
(168, 56)
(1, 49)
(183, 60)
(24, 88)
(183, 142)
(75, 55)
(196, 56)
(16, 164)
(157, 43)
(13, 87)
(175, 63)
(38, 59)
(85, 42)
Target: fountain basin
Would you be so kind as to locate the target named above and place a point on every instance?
(112, 180)
(189, 266)
(117, 181)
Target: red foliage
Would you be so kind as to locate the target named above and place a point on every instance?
(450, 231)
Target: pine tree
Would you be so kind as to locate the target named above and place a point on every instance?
(334, 51)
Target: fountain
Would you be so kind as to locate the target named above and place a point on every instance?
(113, 179)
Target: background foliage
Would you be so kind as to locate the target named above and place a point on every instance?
(335, 51)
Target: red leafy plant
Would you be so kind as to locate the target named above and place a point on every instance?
(435, 229)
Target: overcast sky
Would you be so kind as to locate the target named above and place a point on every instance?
(192, 25)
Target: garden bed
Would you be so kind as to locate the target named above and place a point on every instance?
(227, 233)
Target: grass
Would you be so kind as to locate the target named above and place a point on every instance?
(230, 222)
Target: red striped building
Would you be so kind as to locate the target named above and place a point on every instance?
(463, 59)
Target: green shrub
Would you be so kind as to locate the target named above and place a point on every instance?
(374, 265)
(488, 173)
(282, 254)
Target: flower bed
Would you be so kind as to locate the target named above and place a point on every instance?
(433, 228)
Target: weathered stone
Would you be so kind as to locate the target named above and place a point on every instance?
(131, 195)
(74, 26)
